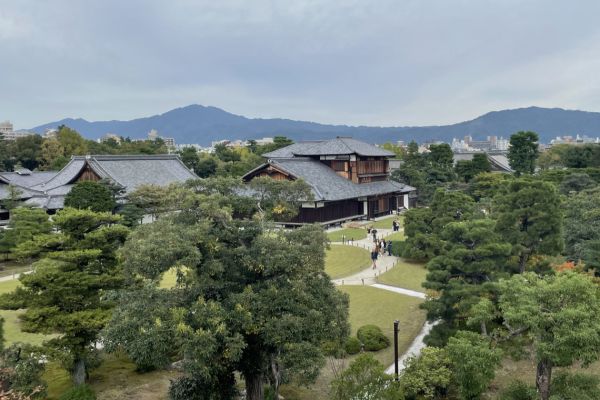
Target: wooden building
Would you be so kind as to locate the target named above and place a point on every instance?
(48, 189)
(349, 179)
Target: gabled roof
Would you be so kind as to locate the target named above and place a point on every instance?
(127, 171)
(499, 162)
(337, 146)
(326, 184)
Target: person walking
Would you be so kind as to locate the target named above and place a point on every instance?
(374, 254)
(374, 233)
(389, 248)
(394, 225)
(382, 246)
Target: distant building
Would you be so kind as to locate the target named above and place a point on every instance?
(110, 136)
(8, 133)
(574, 140)
(50, 133)
(492, 143)
(169, 141)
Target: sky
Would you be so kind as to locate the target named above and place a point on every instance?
(379, 62)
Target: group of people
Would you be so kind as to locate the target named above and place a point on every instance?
(380, 247)
(395, 226)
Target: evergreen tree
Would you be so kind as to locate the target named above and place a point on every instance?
(529, 216)
(67, 293)
(90, 195)
(523, 152)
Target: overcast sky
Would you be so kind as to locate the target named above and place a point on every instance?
(397, 62)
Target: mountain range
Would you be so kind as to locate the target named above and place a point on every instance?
(202, 125)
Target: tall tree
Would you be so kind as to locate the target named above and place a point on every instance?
(52, 155)
(559, 314)
(71, 141)
(25, 225)
(67, 292)
(473, 257)
(523, 152)
(529, 216)
(189, 156)
(582, 228)
(231, 314)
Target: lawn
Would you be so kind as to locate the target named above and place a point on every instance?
(370, 306)
(115, 379)
(348, 233)
(12, 329)
(342, 261)
(395, 237)
(405, 274)
(386, 223)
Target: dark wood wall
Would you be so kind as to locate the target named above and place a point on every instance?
(331, 211)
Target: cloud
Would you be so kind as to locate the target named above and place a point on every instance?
(356, 62)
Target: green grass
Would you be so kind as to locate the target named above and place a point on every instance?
(405, 274)
(116, 378)
(342, 261)
(349, 233)
(369, 306)
(386, 223)
(12, 324)
(395, 237)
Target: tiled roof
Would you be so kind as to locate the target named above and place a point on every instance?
(34, 178)
(327, 185)
(127, 171)
(337, 146)
(499, 162)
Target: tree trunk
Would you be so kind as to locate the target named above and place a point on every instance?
(483, 329)
(276, 375)
(79, 373)
(523, 260)
(254, 387)
(543, 377)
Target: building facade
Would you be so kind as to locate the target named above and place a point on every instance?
(349, 180)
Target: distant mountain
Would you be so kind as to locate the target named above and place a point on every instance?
(200, 124)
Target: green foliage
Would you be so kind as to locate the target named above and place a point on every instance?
(474, 256)
(518, 390)
(364, 379)
(352, 345)
(21, 371)
(195, 388)
(576, 182)
(423, 226)
(229, 313)
(523, 152)
(66, 293)
(473, 363)
(427, 376)
(25, 224)
(132, 215)
(559, 314)
(576, 386)
(529, 216)
(225, 154)
(468, 169)
(206, 167)
(582, 228)
(79, 392)
(90, 195)
(143, 326)
(372, 338)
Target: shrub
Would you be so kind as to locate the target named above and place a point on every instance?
(576, 386)
(332, 348)
(518, 390)
(352, 345)
(80, 392)
(372, 338)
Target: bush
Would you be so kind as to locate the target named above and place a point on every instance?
(372, 338)
(332, 348)
(352, 345)
(518, 390)
(566, 386)
(80, 392)
(398, 248)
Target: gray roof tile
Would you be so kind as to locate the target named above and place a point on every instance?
(327, 185)
(337, 146)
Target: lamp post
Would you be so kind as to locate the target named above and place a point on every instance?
(396, 323)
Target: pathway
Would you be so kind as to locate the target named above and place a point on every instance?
(14, 276)
(369, 276)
